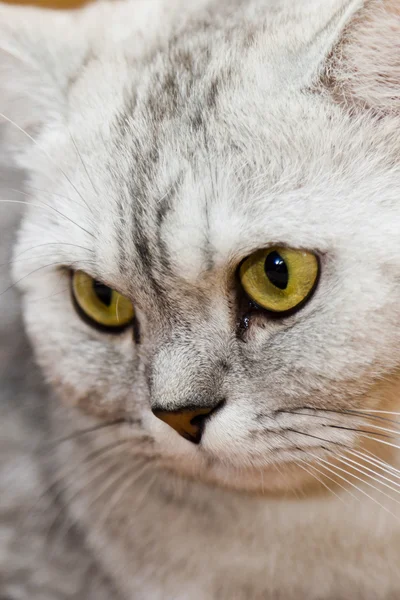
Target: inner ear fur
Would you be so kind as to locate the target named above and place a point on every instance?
(363, 70)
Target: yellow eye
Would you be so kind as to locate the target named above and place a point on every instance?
(100, 304)
(279, 279)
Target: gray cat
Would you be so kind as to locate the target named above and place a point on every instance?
(209, 269)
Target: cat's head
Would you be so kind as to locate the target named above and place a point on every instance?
(232, 171)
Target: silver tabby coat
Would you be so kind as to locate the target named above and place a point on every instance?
(164, 142)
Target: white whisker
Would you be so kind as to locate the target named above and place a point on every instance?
(356, 487)
(383, 412)
(382, 462)
(121, 491)
(395, 432)
(87, 483)
(98, 456)
(383, 466)
(46, 154)
(279, 470)
(47, 207)
(18, 259)
(361, 468)
(51, 194)
(122, 474)
(145, 491)
(83, 164)
(58, 264)
(333, 480)
(370, 437)
(371, 485)
(326, 486)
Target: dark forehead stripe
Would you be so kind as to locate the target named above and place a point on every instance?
(142, 223)
(183, 84)
(208, 250)
(163, 208)
(125, 115)
(141, 210)
(121, 227)
(135, 192)
(148, 214)
(180, 83)
(146, 253)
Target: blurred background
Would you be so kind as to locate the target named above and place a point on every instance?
(49, 3)
(12, 195)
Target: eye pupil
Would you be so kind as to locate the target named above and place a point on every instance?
(103, 292)
(276, 270)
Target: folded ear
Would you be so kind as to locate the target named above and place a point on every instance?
(364, 68)
(40, 52)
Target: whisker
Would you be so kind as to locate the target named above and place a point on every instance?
(371, 417)
(18, 259)
(167, 193)
(49, 296)
(28, 186)
(284, 478)
(326, 486)
(70, 498)
(64, 290)
(119, 493)
(92, 462)
(350, 462)
(145, 491)
(362, 480)
(380, 441)
(46, 154)
(357, 488)
(122, 474)
(316, 437)
(36, 257)
(50, 194)
(380, 428)
(89, 430)
(357, 430)
(377, 459)
(383, 412)
(262, 477)
(58, 264)
(333, 480)
(49, 207)
(82, 161)
(349, 412)
(56, 195)
(393, 431)
(56, 293)
(53, 489)
(375, 463)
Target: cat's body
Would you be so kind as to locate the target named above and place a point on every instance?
(172, 142)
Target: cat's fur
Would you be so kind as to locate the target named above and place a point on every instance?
(172, 139)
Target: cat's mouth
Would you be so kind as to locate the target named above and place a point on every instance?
(307, 450)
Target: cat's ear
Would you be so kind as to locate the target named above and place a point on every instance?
(41, 51)
(363, 71)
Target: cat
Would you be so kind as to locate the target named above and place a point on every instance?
(209, 270)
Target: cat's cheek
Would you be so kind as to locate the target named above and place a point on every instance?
(94, 372)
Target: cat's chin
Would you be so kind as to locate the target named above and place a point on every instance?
(287, 479)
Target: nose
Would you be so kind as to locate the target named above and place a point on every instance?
(188, 423)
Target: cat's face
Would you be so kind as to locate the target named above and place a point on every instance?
(161, 178)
